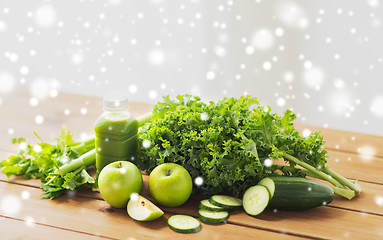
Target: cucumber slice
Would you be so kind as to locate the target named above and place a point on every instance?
(212, 217)
(206, 205)
(269, 184)
(226, 202)
(184, 224)
(255, 200)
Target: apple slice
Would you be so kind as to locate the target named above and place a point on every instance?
(141, 209)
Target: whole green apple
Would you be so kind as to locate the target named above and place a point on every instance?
(170, 184)
(117, 181)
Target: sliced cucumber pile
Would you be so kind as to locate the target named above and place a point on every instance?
(184, 224)
(207, 216)
(216, 209)
(226, 202)
(206, 205)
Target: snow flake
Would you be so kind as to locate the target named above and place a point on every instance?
(306, 132)
(314, 77)
(13, 57)
(3, 26)
(10, 204)
(7, 82)
(263, 39)
(77, 58)
(379, 201)
(288, 76)
(307, 64)
(133, 41)
(210, 75)
(33, 102)
(146, 143)
(279, 32)
(339, 83)
(24, 70)
(376, 106)
(268, 162)
(152, 94)
(40, 88)
(156, 57)
(45, 16)
(340, 102)
(39, 119)
(266, 66)
(220, 51)
(133, 88)
(250, 50)
(291, 14)
(366, 152)
(140, 15)
(84, 111)
(281, 102)
(198, 181)
(29, 221)
(37, 148)
(114, 2)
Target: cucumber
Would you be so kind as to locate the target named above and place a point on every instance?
(206, 205)
(212, 217)
(184, 224)
(256, 199)
(269, 184)
(297, 193)
(226, 202)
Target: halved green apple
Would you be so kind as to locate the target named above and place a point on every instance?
(141, 209)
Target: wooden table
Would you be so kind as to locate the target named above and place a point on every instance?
(24, 215)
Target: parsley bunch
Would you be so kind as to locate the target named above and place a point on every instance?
(227, 142)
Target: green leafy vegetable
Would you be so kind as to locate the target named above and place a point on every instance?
(59, 167)
(227, 142)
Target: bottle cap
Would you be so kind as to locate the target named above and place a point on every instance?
(115, 104)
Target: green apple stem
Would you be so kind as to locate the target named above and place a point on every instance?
(168, 172)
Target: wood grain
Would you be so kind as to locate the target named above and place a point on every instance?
(96, 216)
(27, 229)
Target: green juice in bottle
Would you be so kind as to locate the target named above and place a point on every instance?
(116, 134)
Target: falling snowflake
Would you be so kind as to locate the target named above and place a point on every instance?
(376, 106)
(45, 16)
(263, 39)
(156, 57)
(313, 77)
(198, 181)
(7, 82)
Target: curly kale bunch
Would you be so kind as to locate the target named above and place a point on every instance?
(227, 142)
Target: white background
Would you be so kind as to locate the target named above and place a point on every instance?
(323, 59)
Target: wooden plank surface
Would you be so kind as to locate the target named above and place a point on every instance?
(86, 216)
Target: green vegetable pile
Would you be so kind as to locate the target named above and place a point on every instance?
(60, 167)
(227, 142)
